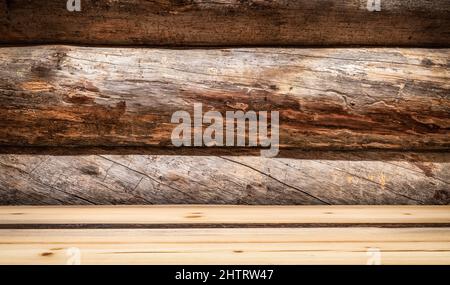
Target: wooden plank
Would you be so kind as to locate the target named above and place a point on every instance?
(239, 215)
(342, 178)
(243, 245)
(226, 246)
(228, 22)
(327, 98)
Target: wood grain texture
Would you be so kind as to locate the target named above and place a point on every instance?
(227, 22)
(342, 178)
(226, 246)
(205, 215)
(413, 243)
(327, 98)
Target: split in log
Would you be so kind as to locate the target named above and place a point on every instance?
(228, 22)
(327, 98)
(331, 178)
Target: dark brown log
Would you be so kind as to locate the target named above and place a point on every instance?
(228, 22)
(327, 98)
(311, 178)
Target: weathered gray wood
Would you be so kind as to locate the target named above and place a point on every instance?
(227, 22)
(327, 98)
(311, 178)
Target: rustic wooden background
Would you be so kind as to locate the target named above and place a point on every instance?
(86, 100)
(91, 124)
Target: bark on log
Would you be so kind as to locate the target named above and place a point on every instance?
(228, 22)
(314, 178)
(327, 98)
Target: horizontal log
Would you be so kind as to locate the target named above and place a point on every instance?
(213, 216)
(342, 178)
(327, 98)
(228, 22)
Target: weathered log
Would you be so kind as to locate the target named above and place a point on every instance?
(327, 98)
(228, 22)
(313, 178)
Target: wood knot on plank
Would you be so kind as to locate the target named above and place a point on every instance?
(193, 216)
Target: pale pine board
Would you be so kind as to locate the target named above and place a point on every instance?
(226, 214)
(227, 246)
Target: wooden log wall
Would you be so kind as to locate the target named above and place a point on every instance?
(358, 98)
(228, 22)
(86, 98)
